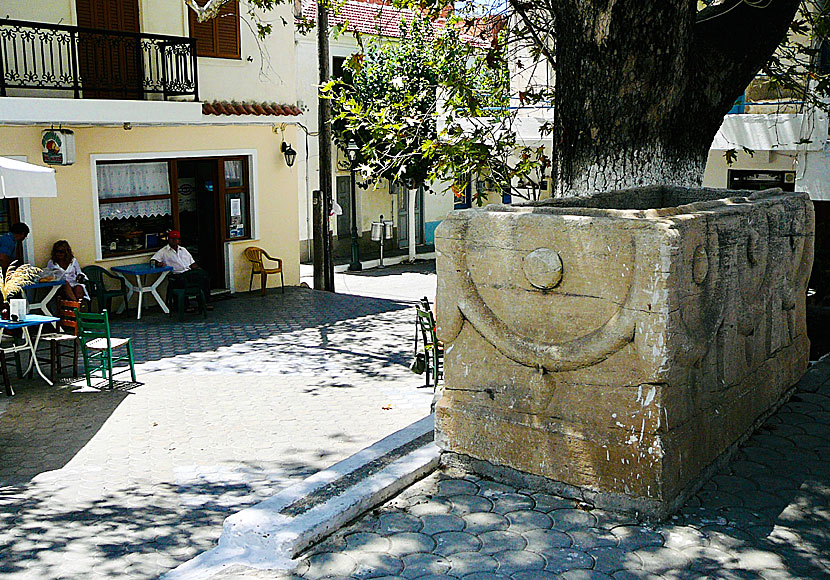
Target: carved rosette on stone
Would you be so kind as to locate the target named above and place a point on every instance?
(598, 346)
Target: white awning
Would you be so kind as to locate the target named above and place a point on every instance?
(21, 179)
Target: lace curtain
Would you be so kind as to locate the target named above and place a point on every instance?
(120, 180)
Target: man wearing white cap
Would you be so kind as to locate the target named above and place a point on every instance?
(178, 258)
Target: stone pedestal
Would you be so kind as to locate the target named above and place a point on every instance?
(616, 346)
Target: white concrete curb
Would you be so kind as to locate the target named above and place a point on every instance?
(262, 537)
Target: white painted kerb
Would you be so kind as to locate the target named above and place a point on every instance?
(261, 537)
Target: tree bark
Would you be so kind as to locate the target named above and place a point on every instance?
(642, 85)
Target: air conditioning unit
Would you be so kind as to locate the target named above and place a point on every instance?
(58, 146)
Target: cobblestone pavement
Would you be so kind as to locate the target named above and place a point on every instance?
(229, 410)
(401, 282)
(767, 515)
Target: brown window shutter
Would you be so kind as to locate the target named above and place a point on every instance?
(227, 30)
(219, 36)
(203, 33)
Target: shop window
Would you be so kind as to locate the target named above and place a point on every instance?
(134, 205)
(219, 36)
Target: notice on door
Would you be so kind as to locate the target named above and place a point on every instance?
(236, 227)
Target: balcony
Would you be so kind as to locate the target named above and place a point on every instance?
(53, 60)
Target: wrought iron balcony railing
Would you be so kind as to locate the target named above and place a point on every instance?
(52, 59)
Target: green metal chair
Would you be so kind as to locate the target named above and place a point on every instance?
(433, 348)
(97, 345)
(98, 288)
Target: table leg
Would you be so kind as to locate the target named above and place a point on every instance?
(33, 349)
(130, 292)
(7, 383)
(140, 285)
(156, 294)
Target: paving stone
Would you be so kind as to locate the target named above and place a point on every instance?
(397, 522)
(479, 522)
(661, 559)
(566, 519)
(540, 541)
(535, 575)
(450, 487)
(526, 520)
(329, 564)
(500, 541)
(410, 543)
(464, 563)
(448, 543)
(612, 559)
(590, 538)
(485, 576)
(560, 560)
(373, 565)
(636, 537)
(441, 523)
(510, 562)
(585, 575)
(367, 542)
(417, 565)
(511, 502)
(467, 504)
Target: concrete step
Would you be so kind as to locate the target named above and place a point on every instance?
(270, 534)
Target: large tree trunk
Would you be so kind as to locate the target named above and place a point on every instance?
(642, 85)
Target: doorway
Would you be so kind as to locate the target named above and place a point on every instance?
(403, 219)
(344, 200)
(199, 215)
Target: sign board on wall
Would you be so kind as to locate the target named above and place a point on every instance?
(58, 146)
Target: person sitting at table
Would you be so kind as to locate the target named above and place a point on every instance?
(178, 258)
(65, 267)
(9, 241)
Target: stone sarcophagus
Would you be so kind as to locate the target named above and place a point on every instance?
(616, 346)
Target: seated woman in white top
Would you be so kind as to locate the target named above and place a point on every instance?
(66, 268)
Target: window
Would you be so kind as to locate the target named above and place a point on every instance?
(135, 206)
(206, 198)
(758, 179)
(219, 36)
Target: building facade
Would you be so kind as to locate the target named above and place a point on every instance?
(176, 125)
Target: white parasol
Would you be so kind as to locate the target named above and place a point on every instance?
(21, 179)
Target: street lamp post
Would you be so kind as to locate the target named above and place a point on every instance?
(351, 151)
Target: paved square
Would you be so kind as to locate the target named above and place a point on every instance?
(232, 408)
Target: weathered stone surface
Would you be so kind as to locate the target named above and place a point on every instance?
(620, 344)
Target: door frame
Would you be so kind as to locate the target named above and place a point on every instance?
(253, 191)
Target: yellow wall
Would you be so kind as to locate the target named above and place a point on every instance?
(71, 214)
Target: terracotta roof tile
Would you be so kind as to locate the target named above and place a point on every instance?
(249, 108)
(375, 17)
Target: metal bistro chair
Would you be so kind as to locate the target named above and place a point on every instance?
(433, 348)
(99, 290)
(66, 336)
(255, 256)
(97, 345)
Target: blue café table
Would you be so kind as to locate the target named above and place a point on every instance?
(139, 272)
(43, 305)
(29, 345)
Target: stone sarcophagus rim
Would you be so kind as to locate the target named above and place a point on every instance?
(618, 346)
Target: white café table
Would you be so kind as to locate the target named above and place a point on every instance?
(29, 345)
(139, 272)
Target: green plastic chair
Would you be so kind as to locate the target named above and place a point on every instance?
(433, 348)
(98, 290)
(177, 297)
(97, 345)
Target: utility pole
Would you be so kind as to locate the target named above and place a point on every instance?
(323, 259)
